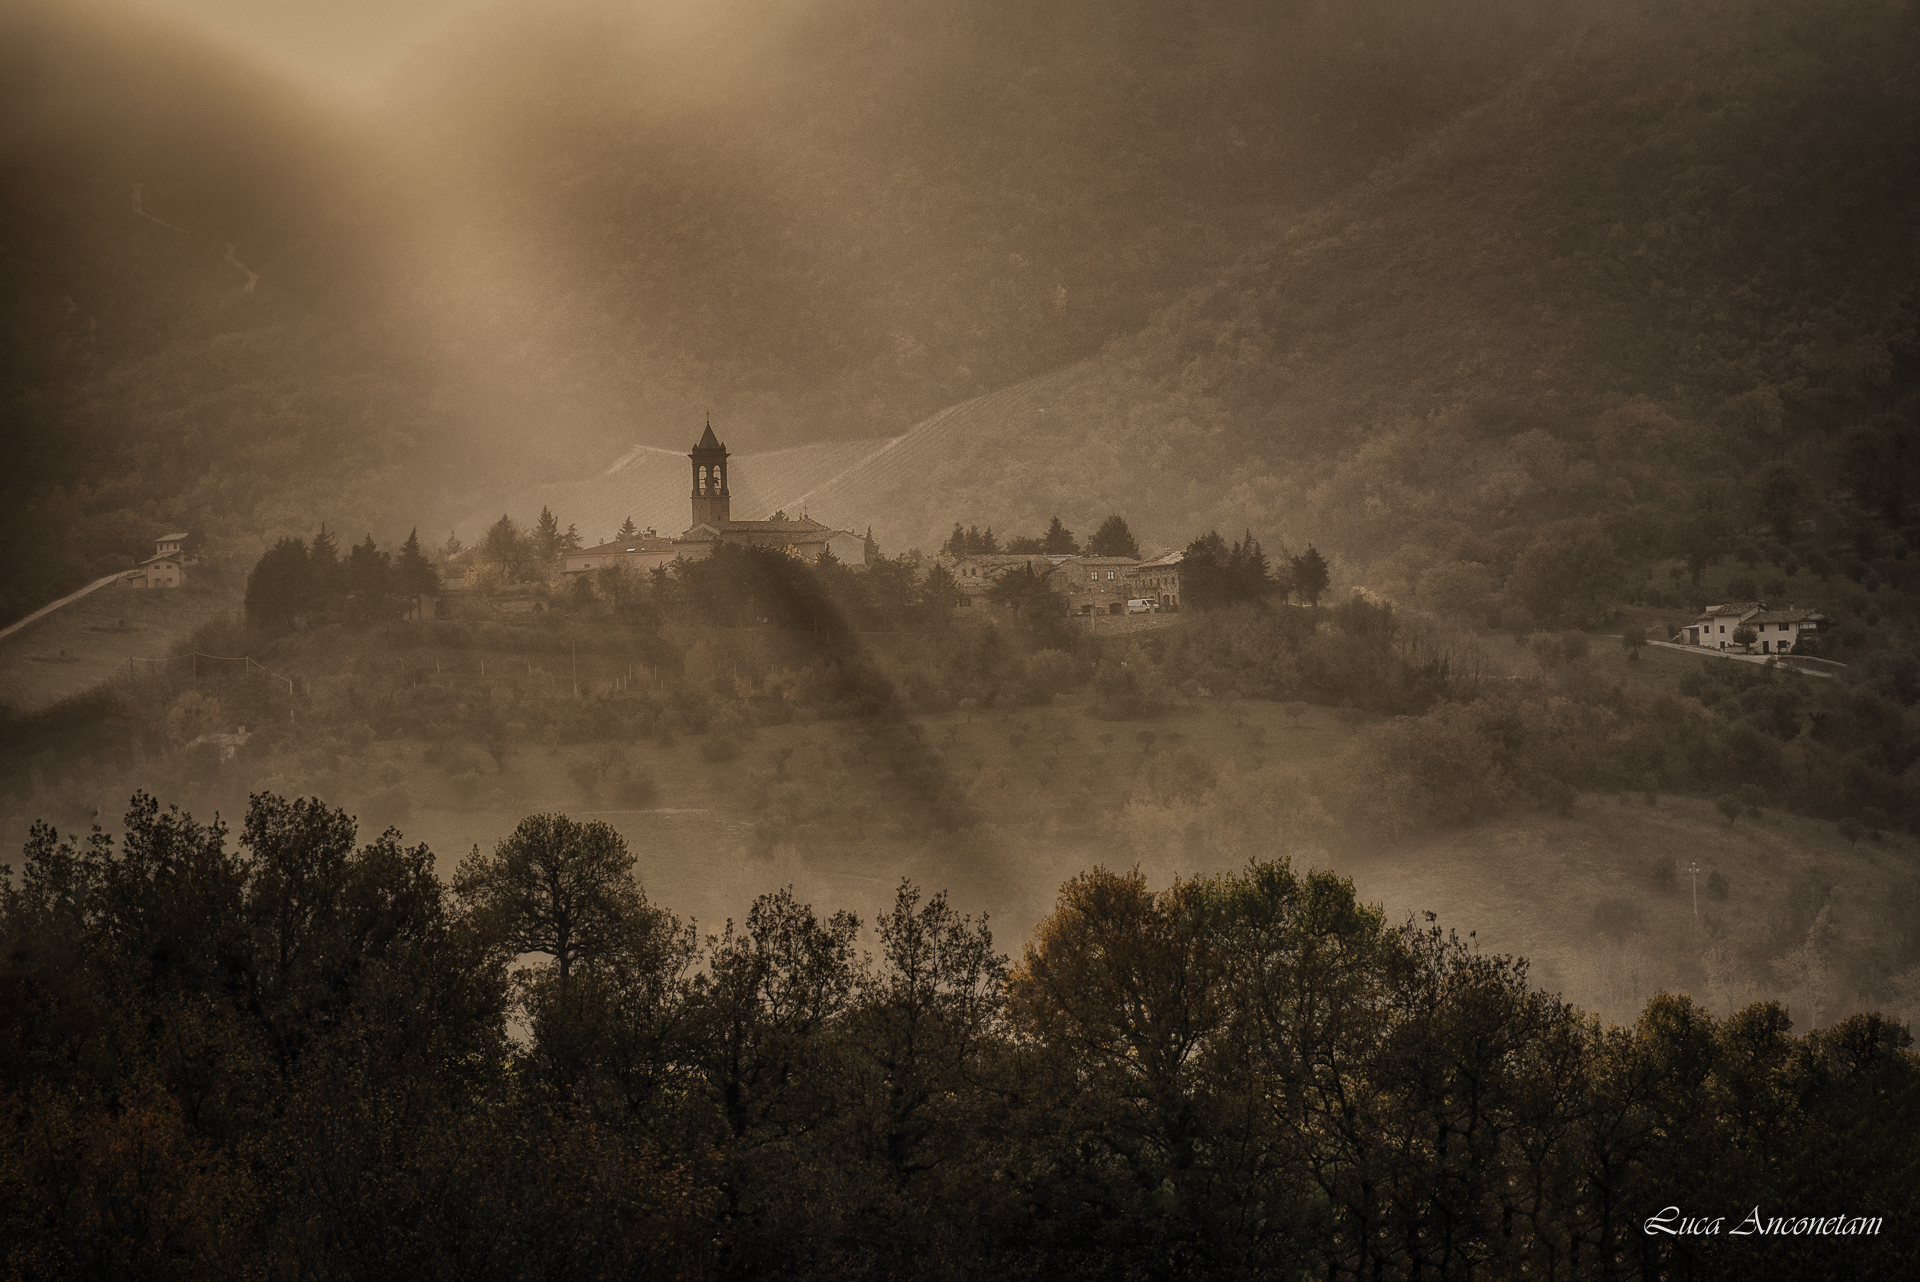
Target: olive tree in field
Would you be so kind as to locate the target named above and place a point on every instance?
(557, 887)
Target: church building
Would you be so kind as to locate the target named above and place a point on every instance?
(713, 518)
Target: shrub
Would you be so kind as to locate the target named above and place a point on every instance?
(1716, 886)
(1662, 873)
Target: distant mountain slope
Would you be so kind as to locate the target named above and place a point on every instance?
(1670, 265)
(832, 219)
(822, 221)
(912, 490)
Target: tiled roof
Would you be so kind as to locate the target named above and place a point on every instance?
(801, 526)
(171, 538)
(1164, 560)
(645, 543)
(1787, 616)
(708, 441)
(1733, 608)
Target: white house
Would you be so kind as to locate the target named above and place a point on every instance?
(1775, 631)
(166, 568)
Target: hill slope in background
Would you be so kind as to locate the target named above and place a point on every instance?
(832, 220)
(1387, 277)
(581, 225)
(195, 298)
(1669, 262)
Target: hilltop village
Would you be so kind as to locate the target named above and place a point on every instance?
(970, 577)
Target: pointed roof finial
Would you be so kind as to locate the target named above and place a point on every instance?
(708, 441)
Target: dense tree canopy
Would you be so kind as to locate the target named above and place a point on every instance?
(218, 1059)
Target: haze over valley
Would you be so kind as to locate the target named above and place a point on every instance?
(1191, 502)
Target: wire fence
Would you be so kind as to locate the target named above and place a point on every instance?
(197, 659)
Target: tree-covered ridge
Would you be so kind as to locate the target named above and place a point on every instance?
(602, 226)
(300, 1050)
(1656, 291)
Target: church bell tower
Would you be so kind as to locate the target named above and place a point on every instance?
(712, 503)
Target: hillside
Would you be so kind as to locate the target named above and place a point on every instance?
(573, 227)
(1671, 260)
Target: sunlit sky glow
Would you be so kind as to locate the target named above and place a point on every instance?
(343, 46)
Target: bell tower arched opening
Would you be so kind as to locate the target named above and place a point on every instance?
(712, 504)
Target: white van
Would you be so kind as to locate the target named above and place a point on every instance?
(1142, 605)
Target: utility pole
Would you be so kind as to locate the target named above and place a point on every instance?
(1693, 873)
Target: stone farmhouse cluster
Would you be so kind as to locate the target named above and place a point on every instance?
(1089, 584)
(1774, 631)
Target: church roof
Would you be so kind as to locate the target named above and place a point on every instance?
(801, 526)
(708, 441)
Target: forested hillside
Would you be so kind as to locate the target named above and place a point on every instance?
(573, 228)
(191, 292)
(1659, 288)
(1428, 284)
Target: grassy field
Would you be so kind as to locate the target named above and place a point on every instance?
(91, 640)
(1656, 668)
(1575, 896)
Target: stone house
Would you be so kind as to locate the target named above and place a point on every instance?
(166, 568)
(974, 574)
(1158, 579)
(1776, 631)
(1096, 584)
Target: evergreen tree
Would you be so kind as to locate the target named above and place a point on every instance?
(873, 547)
(1113, 538)
(939, 592)
(628, 531)
(451, 548)
(277, 588)
(1206, 580)
(414, 575)
(365, 579)
(1247, 564)
(988, 544)
(956, 544)
(1027, 544)
(546, 535)
(1059, 540)
(570, 541)
(1310, 575)
(323, 572)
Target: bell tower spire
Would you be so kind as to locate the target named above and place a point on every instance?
(712, 503)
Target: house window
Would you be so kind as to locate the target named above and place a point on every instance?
(1109, 574)
(1093, 576)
